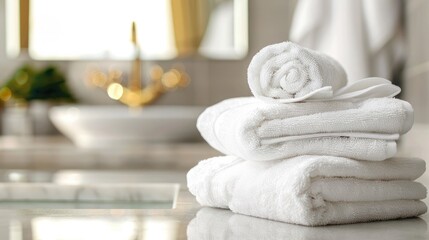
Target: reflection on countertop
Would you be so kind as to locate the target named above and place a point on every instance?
(115, 224)
(211, 223)
(57, 160)
(188, 220)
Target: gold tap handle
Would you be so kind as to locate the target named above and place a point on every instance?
(133, 33)
(135, 81)
(135, 95)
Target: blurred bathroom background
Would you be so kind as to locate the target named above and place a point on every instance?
(211, 41)
(72, 52)
(117, 85)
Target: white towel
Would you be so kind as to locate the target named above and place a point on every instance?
(259, 131)
(361, 89)
(311, 190)
(285, 71)
(212, 223)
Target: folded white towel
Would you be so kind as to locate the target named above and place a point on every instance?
(311, 190)
(285, 71)
(212, 223)
(259, 131)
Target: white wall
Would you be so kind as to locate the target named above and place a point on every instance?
(416, 74)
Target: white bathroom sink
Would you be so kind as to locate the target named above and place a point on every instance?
(110, 126)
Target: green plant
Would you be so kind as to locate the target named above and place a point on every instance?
(28, 84)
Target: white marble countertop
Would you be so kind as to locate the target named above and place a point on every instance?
(59, 153)
(175, 224)
(33, 223)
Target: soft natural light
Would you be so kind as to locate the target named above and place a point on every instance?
(12, 28)
(159, 229)
(47, 228)
(227, 32)
(127, 228)
(81, 29)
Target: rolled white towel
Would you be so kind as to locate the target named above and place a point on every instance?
(259, 131)
(287, 72)
(311, 190)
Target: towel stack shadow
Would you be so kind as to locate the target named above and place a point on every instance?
(309, 148)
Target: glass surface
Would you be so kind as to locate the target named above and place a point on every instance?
(57, 161)
(32, 189)
(100, 29)
(115, 225)
(84, 205)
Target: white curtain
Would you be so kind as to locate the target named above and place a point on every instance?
(363, 35)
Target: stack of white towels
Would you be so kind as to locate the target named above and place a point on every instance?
(309, 148)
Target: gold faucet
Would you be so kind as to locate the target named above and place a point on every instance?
(134, 94)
